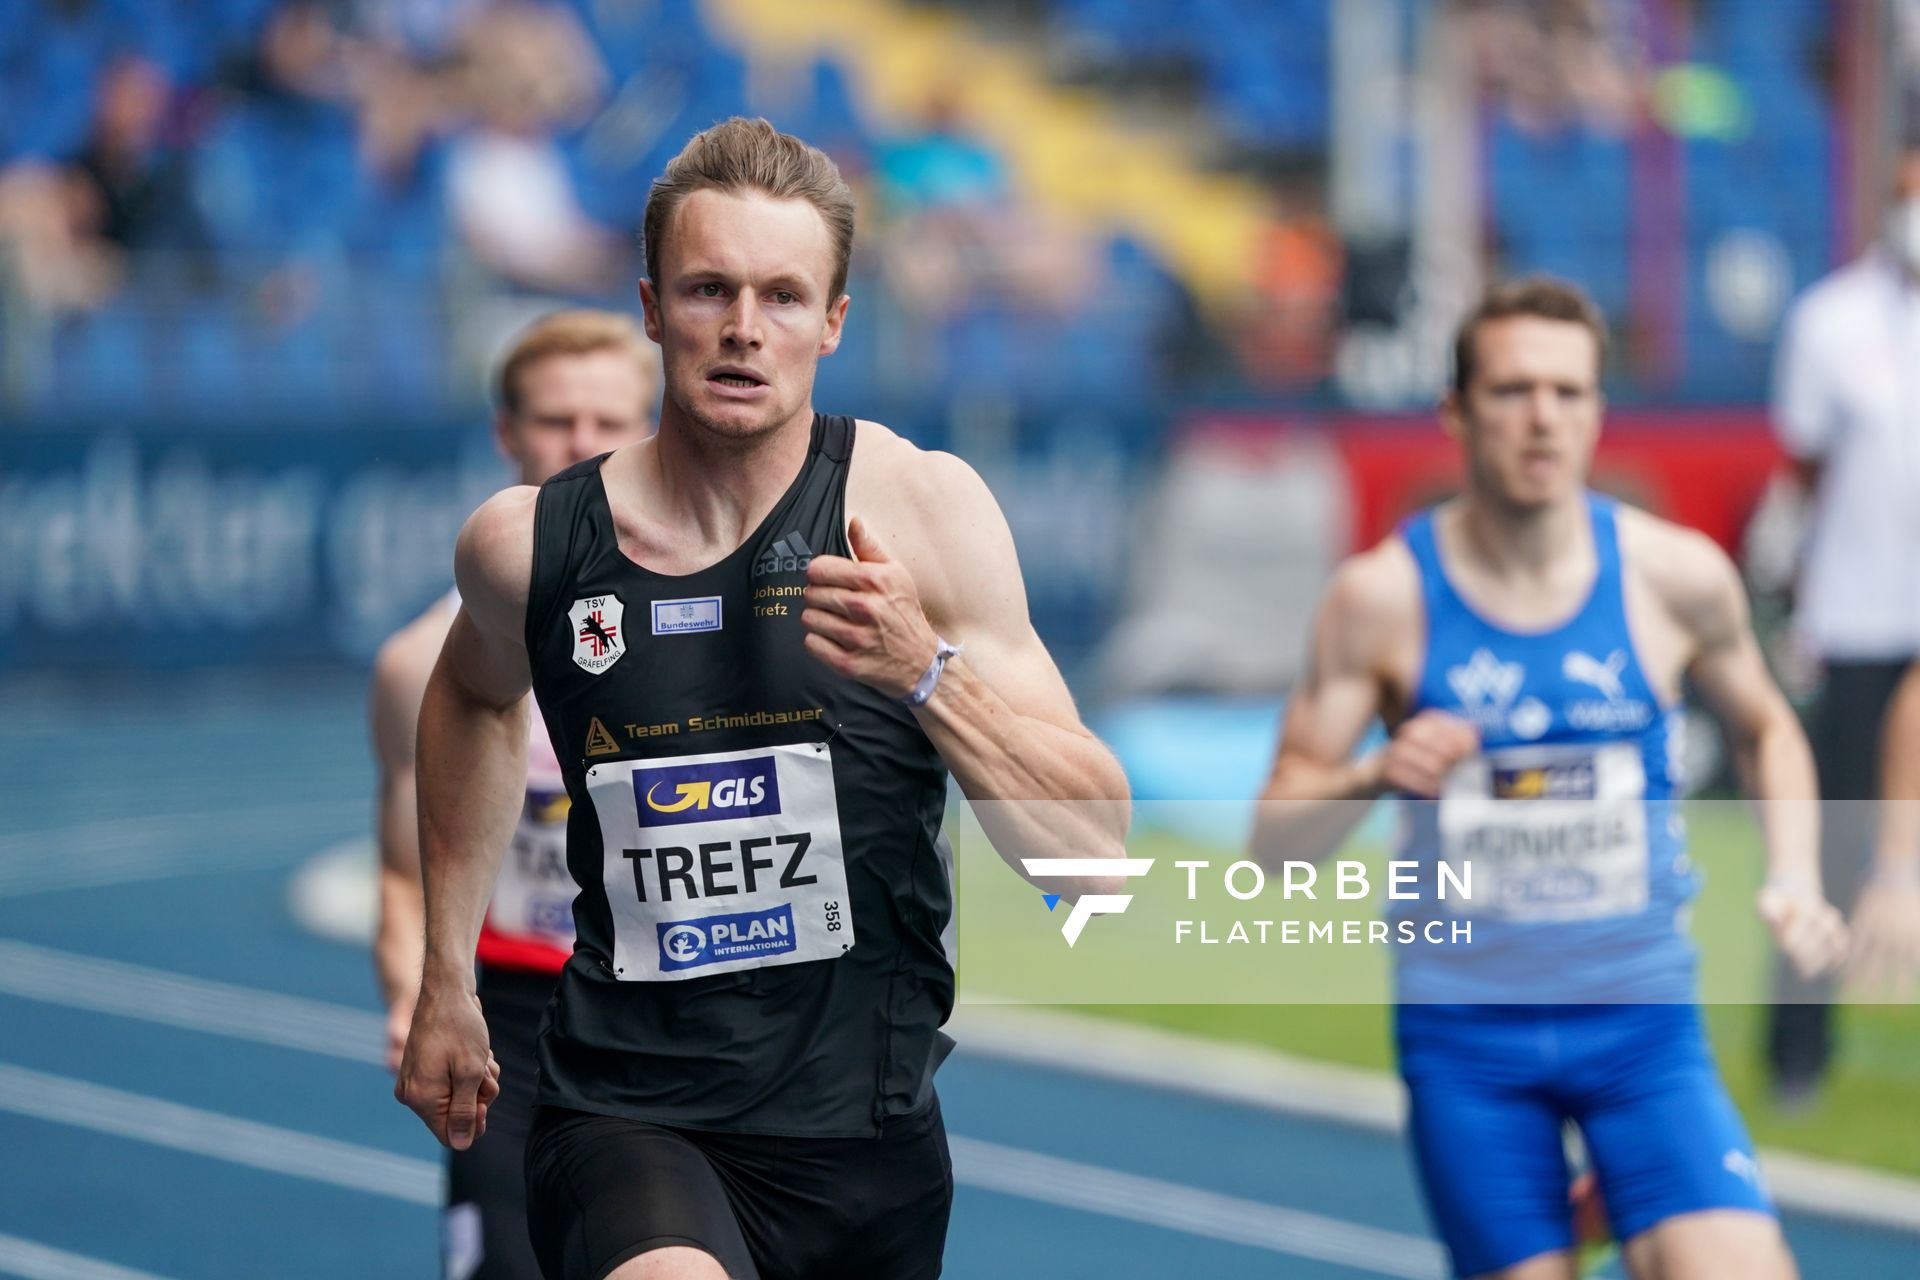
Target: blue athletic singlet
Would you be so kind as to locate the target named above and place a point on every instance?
(1566, 821)
(1570, 1004)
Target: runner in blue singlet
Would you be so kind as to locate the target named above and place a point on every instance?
(1526, 645)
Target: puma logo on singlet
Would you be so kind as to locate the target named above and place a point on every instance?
(1615, 711)
(1604, 676)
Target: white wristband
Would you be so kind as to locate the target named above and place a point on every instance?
(930, 679)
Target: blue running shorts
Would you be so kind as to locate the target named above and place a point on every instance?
(1491, 1086)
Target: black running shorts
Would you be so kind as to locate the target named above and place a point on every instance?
(601, 1190)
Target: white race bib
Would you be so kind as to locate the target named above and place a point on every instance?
(1550, 833)
(721, 862)
(533, 898)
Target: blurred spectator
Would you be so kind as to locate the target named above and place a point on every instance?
(301, 55)
(1553, 63)
(67, 228)
(418, 30)
(939, 165)
(402, 105)
(1847, 407)
(48, 245)
(953, 232)
(1286, 338)
(1886, 923)
(521, 71)
(140, 183)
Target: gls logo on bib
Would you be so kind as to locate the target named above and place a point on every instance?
(674, 795)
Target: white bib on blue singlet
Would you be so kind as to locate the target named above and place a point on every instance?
(1550, 833)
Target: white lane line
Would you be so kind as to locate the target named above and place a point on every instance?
(1071, 1043)
(223, 1137)
(1247, 1075)
(126, 832)
(132, 991)
(119, 850)
(985, 1165)
(30, 1261)
(105, 986)
(1159, 1203)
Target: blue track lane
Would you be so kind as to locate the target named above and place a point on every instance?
(101, 777)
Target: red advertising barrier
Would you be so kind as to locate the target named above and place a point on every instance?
(1703, 469)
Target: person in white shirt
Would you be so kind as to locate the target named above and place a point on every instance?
(1847, 408)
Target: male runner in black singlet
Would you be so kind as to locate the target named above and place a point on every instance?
(744, 636)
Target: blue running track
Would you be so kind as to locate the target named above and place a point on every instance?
(190, 1085)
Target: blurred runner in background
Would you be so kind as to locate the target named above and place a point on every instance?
(1847, 407)
(575, 384)
(1525, 644)
(1886, 918)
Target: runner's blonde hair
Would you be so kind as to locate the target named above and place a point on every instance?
(575, 333)
(740, 155)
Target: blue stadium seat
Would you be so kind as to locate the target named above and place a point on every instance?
(57, 65)
(615, 160)
(1561, 204)
(279, 174)
(205, 362)
(397, 348)
(401, 227)
(102, 362)
(1136, 30)
(1268, 69)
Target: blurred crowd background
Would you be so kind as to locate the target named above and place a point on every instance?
(1150, 267)
(318, 207)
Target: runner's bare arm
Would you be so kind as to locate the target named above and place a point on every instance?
(1886, 919)
(471, 768)
(471, 759)
(1317, 791)
(1898, 855)
(1702, 590)
(400, 672)
(935, 556)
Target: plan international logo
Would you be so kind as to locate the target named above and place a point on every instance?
(691, 944)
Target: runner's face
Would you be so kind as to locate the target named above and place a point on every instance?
(1531, 415)
(741, 310)
(573, 408)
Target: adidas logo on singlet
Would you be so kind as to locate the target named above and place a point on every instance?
(790, 554)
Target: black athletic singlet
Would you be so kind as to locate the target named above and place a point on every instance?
(755, 838)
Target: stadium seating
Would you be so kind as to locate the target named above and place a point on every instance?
(280, 187)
